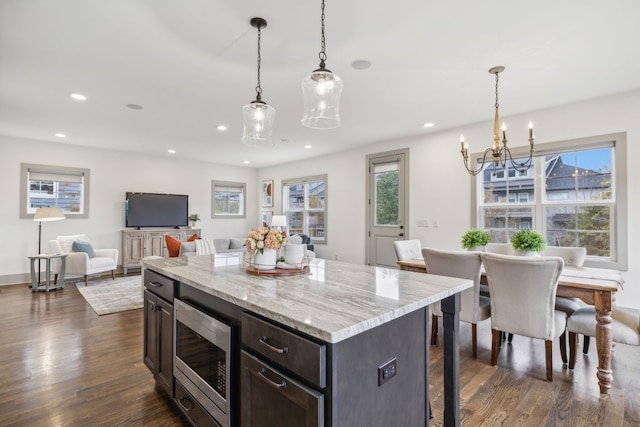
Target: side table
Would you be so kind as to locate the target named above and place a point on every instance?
(47, 286)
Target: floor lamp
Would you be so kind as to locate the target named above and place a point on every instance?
(41, 215)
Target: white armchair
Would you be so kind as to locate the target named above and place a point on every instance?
(80, 263)
(407, 249)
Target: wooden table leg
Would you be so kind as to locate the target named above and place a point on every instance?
(450, 320)
(603, 305)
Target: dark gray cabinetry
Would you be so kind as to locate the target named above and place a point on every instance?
(271, 397)
(158, 328)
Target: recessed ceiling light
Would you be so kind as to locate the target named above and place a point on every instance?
(78, 96)
(134, 106)
(307, 146)
(361, 64)
(61, 135)
(221, 127)
(171, 151)
(246, 162)
(428, 125)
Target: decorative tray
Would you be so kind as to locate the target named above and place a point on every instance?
(280, 270)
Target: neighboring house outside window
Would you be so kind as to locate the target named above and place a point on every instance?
(227, 199)
(54, 186)
(574, 194)
(304, 203)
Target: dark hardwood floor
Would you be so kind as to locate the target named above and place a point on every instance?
(62, 365)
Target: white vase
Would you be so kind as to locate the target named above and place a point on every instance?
(294, 253)
(476, 248)
(265, 260)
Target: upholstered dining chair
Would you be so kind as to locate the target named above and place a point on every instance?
(407, 249)
(473, 307)
(573, 256)
(625, 327)
(523, 293)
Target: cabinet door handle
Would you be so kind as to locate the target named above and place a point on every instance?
(277, 384)
(186, 408)
(155, 284)
(280, 350)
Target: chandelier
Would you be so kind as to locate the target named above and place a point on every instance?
(258, 116)
(321, 90)
(499, 154)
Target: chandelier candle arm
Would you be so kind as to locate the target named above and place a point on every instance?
(499, 154)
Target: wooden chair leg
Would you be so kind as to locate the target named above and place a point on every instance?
(495, 343)
(563, 347)
(510, 338)
(585, 345)
(573, 344)
(548, 349)
(474, 340)
(86, 279)
(434, 330)
(113, 274)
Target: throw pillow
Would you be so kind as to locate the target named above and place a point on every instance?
(173, 244)
(80, 246)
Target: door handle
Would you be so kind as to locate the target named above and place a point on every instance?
(401, 234)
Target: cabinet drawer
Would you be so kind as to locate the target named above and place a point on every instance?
(293, 352)
(271, 398)
(192, 409)
(159, 285)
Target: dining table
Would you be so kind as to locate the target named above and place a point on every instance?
(594, 286)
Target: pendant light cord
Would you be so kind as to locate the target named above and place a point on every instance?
(322, 54)
(497, 76)
(258, 88)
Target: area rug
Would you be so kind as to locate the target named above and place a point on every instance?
(113, 296)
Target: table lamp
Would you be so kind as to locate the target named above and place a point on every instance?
(279, 221)
(41, 215)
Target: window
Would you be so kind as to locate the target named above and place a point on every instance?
(43, 186)
(304, 203)
(575, 194)
(227, 199)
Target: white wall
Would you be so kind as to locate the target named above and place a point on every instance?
(440, 188)
(112, 174)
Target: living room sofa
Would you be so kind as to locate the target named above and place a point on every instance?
(232, 245)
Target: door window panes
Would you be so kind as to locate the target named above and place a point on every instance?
(386, 195)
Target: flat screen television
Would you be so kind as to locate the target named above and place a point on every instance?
(156, 210)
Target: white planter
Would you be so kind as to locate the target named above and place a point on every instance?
(476, 248)
(294, 253)
(527, 253)
(265, 260)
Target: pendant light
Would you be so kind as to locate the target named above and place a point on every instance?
(258, 116)
(321, 90)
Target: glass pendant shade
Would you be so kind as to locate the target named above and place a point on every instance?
(321, 90)
(258, 124)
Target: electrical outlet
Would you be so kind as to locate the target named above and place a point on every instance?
(387, 371)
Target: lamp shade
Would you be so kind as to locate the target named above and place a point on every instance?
(48, 214)
(258, 124)
(321, 90)
(279, 221)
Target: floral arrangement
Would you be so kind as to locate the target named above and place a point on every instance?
(474, 238)
(264, 237)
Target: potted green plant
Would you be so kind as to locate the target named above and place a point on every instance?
(194, 218)
(474, 239)
(528, 242)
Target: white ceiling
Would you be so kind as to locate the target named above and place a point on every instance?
(192, 65)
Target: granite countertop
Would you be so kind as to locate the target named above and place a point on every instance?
(333, 302)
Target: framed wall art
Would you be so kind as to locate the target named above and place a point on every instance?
(265, 218)
(267, 194)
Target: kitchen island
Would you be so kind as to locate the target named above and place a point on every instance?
(347, 341)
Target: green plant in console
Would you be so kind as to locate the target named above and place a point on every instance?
(474, 238)
(528, 240)
(194, 217)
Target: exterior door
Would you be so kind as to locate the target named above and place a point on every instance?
(387, 206)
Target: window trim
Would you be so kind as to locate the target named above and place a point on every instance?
(619, 164)
(61, 170)
(305, 180)
(243, 208)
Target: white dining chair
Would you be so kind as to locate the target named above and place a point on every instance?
(625, 327)
(523, 291)
(473, 306)
(407, 249)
